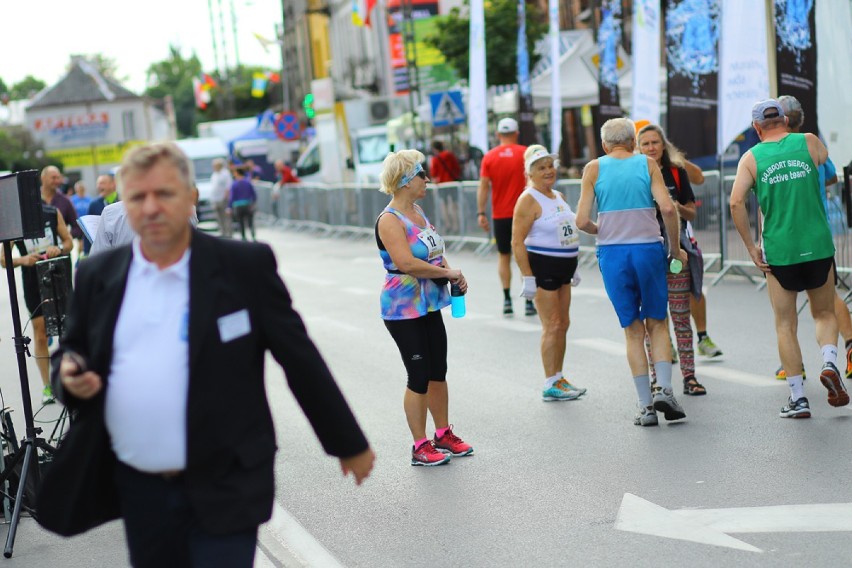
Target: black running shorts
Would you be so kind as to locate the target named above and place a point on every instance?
(503, 235)
(804, 275)
(552, 272)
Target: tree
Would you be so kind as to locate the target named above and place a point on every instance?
(19, 151)
(452, 33)
(26, 88)
(238, 86)
(106, 65)
(3, 88)
(173, 76)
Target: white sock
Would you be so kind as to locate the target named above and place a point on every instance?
(829, 354)
(643, 389)
(550, 381)
(797, 389)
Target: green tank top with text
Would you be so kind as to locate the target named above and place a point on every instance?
(795, 228)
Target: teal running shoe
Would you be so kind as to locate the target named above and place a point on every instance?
(556, 393)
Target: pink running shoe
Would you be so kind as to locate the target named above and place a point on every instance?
(426, 454)
(451, 444)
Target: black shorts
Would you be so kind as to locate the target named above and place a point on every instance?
(552, 272)
(804, 275)
(503, 235)
(32, 295)
(422, 343)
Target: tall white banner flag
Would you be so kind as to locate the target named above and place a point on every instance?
(743, 66)
(555, 94)
(646, 61)
(477, 117)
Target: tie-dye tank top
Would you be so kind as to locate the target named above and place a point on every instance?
(404, 296)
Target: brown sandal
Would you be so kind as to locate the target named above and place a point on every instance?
(692, 387)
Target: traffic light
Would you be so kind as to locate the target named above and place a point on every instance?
(308, 105)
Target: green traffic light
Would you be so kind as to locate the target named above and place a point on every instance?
(308, 105)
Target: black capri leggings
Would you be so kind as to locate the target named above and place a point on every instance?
(422, 343)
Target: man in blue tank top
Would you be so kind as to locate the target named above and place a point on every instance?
(632, 257)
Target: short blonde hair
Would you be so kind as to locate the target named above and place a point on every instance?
(396, 166)
(143, 158)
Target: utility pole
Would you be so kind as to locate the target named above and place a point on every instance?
(213, 36)
(285, 60)
(234, 30)
(409, 39)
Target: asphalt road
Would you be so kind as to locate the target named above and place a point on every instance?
(550, 484)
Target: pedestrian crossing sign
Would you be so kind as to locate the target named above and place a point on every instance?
(447, 108)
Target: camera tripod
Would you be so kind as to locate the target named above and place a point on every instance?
(27, 452)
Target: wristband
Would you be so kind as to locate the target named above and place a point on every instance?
(478, 213)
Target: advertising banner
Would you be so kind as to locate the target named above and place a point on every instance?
(555, 95)
(646, 61)
(433, 72)
(526, 114)
(743, 66)
(609, 39)
(477, 116)
(796, 55)
(692, 66)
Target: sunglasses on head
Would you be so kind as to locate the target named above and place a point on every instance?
(421, 174)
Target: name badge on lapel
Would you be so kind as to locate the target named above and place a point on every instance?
(234, 326)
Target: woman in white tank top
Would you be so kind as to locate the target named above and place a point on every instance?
(545, 243)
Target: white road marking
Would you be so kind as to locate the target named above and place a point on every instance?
(515, 325)
(737, 377)
(709, 526)
(712, 370)
(289, 542)
(329, 321)
(579, 291)
(599, 344)
(360, 291)
(309, 279)
(641, 516)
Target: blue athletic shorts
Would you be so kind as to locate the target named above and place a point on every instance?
(635, 280)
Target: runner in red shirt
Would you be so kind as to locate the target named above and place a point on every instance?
(502, 173)
(444, 168)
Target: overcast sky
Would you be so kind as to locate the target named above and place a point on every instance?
(39, 36)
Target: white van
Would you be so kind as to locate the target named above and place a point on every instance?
(202, 152)
(369, 148)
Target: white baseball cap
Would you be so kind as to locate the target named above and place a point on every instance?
(536, 156)
(507, 126)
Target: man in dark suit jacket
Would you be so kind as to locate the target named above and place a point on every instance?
(163, 362)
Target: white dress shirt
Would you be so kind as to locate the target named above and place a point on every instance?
(221, 182)
(148, 385)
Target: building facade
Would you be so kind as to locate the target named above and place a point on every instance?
(87, 121)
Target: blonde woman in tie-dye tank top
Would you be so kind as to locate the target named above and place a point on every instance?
(414, 291)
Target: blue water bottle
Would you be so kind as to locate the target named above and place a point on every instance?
(457, 301)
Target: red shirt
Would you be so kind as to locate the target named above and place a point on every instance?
(286, 175)
(444, 167)
(504, 166)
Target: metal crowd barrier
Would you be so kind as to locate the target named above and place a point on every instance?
(351, 208)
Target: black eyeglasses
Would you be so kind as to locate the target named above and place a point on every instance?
(422, 175)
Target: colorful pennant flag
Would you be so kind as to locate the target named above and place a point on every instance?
(258, 85)
(361, 12)
(202, 94)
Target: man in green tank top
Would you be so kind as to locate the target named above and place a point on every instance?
(797, 250)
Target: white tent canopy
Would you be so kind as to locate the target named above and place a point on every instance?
(577, 78)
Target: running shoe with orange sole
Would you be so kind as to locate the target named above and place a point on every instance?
(830, 379)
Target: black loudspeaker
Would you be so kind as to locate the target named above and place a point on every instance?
(54, 285)
(20, 206)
